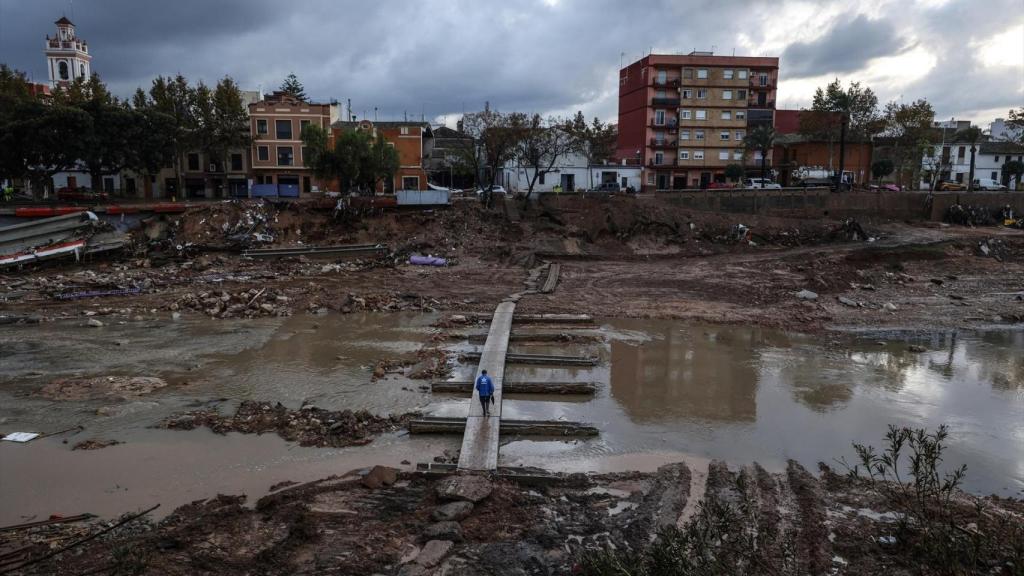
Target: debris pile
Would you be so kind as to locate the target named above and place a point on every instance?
(309, 425)
(106, 387)
(251, 303)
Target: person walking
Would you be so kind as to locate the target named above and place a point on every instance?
(485, 387)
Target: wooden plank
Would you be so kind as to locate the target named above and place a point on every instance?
(429, 425)
(480, 441)
(540, 359)
(552, 280)
(554, 319)
(455, 387)
(531, 337)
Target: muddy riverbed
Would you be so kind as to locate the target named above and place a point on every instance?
(668, 391)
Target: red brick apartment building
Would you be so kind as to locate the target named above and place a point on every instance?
(276, 124)
(685, 116)
(413, 141)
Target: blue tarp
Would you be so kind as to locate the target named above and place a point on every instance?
(270, 190)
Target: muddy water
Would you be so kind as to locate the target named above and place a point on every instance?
(746, 394)
(324, 360)
(668, 391)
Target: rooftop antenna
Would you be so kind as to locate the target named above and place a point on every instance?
(374, 113)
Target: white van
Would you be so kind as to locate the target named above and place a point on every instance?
(987, 184)
(758, 183)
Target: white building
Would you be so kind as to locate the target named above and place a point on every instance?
(572, 173)
(67, 56)
(1001, 131)
(953, 161)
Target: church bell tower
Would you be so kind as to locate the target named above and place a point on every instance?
(67, 56)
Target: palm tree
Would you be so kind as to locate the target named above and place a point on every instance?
(761, 139)
(971, 135)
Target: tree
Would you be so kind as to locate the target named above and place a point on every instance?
(383, 162)
(1015, 125)
(881, 168)
(734, 172)
(291, 85)
(595, 141)
(1012, 173)
(175, 98)
(541, 143)
(761, 139)
(350, 161)
(836, 113)
(908, 127)
(970, 135)
(224, 122)
(495, 136)
(42, 140)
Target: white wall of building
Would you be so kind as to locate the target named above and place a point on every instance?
(999, 130)
(986, 165)
(571, 168)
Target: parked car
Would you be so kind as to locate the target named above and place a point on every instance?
(758, 183)
(608, 187)
(950, 186)
(988, 184)
(716, 185)
(495, 189)
(80, 195)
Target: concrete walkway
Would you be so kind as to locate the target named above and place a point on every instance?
(480, 442)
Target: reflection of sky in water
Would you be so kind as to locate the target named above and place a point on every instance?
(745, 394)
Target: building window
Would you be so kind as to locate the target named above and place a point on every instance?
(688, 73)
(413, 182)
(659, 158)
(81, 70)
(687, 94)
(305, 154)
(741, 94)
(741, 74)
(285, 156)
(284, 129)
(702, 73)
(726, 115)
(960, 153)
(740, 115)
(702, 93)
(726, 94)
(997, 159)
(662, 76)
(686, 114)
(698, 134)
(261, 126)
(737, 154)
(698, 154)
(193, 162)
(404, 130)
(724, 135)
(540, 179)
(740, 135)
(727, 74)
(684, 134)
(236, 162)
(302, 126)
(995, 176)
(63, 70)
(723, 155)
(762, 79)
(263, 153)
(684, 154)
(702, 114)
(659, 117)
(659, 137)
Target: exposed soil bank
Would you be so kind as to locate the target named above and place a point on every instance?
(473, 525)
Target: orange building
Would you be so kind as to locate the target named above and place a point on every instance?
(412, 140)
(276, 124)
(794, 151)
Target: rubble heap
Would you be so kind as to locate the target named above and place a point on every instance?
(309, 426)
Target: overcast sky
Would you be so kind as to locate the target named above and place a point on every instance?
(553, 56)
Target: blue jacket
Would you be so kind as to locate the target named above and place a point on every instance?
(484, 385)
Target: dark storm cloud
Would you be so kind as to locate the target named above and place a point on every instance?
(441, 57)
(846, 47)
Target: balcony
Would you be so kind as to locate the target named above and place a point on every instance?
(671, 124)
(655, 143)
(665, 163)
(755, 82)
(672, 83)
(768, 104)
(670, 102)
